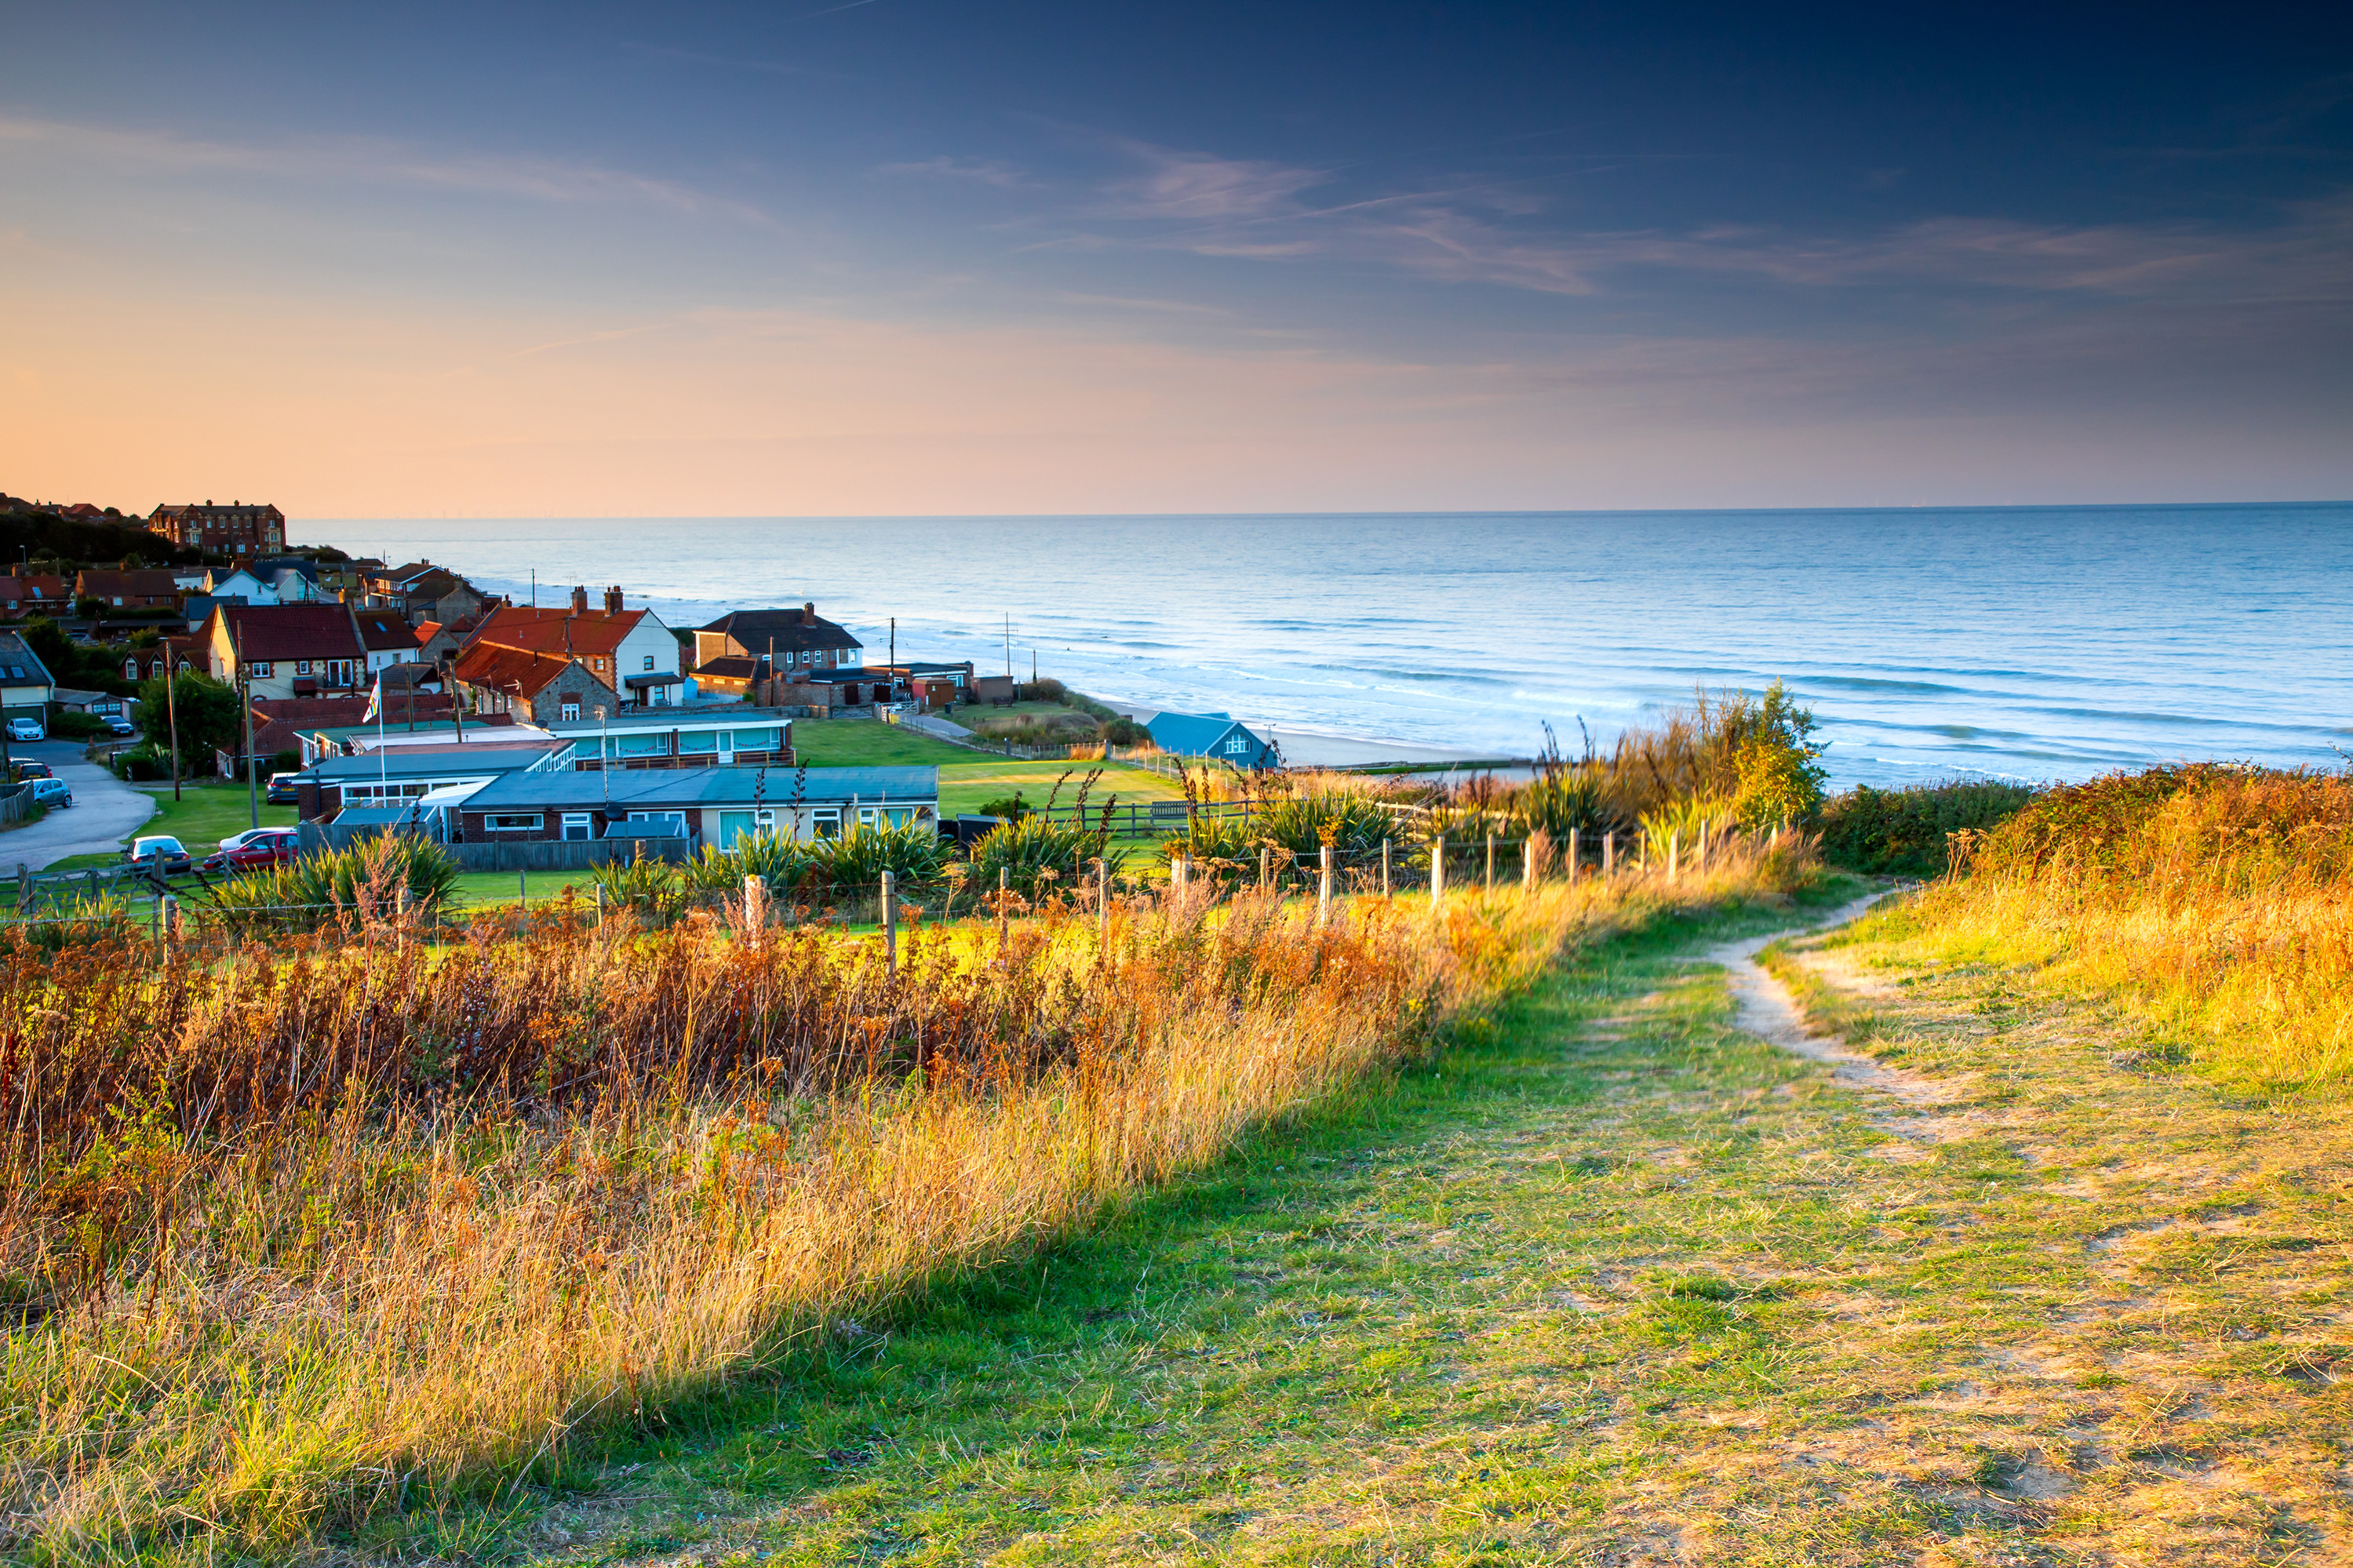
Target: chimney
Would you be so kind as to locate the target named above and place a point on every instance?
(579, 600)
(808, 614)
(613, 600)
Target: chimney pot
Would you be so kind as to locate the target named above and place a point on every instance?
(613, 600)
(580, 599)
(808, 614)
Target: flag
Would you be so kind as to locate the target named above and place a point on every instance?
(376, 701)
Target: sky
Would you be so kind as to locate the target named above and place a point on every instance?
(912, 256)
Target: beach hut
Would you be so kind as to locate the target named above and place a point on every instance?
(1217, 735)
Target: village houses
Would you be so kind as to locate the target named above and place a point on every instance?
(631, 652)
(303, 650)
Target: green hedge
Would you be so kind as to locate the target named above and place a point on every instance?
(1901, 833)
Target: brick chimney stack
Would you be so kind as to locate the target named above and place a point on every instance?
(613, 600)
(808, 614)
(580, 600)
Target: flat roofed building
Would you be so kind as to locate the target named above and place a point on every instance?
(714, 806)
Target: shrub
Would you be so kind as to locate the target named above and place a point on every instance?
(1046, 688)
(780, 862)
(139, 764)
(1904, 832)
(70, 725)
(1125, 731)
(1011, 807)
(1035, 853)
(912, 854)
(1682, 824)
(651, 887)
(361, 883)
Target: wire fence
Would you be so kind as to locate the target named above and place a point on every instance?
(187, 920)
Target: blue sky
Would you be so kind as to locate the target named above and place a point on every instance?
(907, 256)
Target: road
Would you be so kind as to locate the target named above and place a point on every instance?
(104, 814)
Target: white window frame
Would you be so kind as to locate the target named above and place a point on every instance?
(571, 711)
(585, 821)
(514, 822)
(260, 668)
(825, 822)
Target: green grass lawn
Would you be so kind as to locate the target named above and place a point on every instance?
(867, 744)
(1606, 1281)
(206, 813)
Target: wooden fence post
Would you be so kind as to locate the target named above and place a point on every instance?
(1265, 867)
(523, 887)
(1528, 864)
(1490, 862)
(1674, 843)
(1385, 867)
(1609, 852)
(1572, 857)
(755, 902)
(167, 918)
(1437, 872)
(1323, 892)
(600, 906)
(890, 924)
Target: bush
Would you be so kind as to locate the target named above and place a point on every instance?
(1125, 731)
(779, 862)
(1902, 833)
(1035, 853)
(1011, 807)
(361, 883)
(140, 764)
(1046, 688)
(70, 725)
(914, 855)
(652, 887)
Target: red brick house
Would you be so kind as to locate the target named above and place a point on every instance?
(140, 590)
(236, 529)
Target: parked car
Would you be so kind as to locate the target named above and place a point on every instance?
(26, 730)
(261, 851)
(283, 789)
(159, 852)
(245, 836)
(52, 793)
(117, 725)
(33, 770)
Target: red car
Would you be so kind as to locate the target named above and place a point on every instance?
(261, 853)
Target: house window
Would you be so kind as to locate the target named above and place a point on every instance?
(516, 824)
(571, 711)
(649, 661)
(1237, 744)
(577, 825)
(677, 816)
(339, 672)
(825, 823)
(301, 667)
(737, 825)
(130, 669)
(260, 668)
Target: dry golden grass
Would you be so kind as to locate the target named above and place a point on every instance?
(296, 1235)
(2214, 900)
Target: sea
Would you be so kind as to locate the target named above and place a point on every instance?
(2025, 642)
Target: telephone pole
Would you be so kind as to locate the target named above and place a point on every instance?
(172, 712)
(245, 702)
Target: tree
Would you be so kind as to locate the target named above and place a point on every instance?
(1780, 777)
(209, 718)
(52, 648)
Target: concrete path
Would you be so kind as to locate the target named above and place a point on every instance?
(933, 724)
(105, 813)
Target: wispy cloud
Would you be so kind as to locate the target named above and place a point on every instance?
(366, 160)
(986, 170)
(1501, 233)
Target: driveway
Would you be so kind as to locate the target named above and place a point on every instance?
(104, 814)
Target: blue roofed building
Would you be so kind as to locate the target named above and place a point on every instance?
(715, 806)
(1219, 736)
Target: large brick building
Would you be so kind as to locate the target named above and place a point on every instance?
(236, 529)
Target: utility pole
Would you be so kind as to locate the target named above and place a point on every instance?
(172, 712)
(244, 700)
(895, 651)
(1008, 646)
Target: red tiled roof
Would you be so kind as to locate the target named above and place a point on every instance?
(512, 669)
(152, 583)
(557, 631)
(289, 631)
